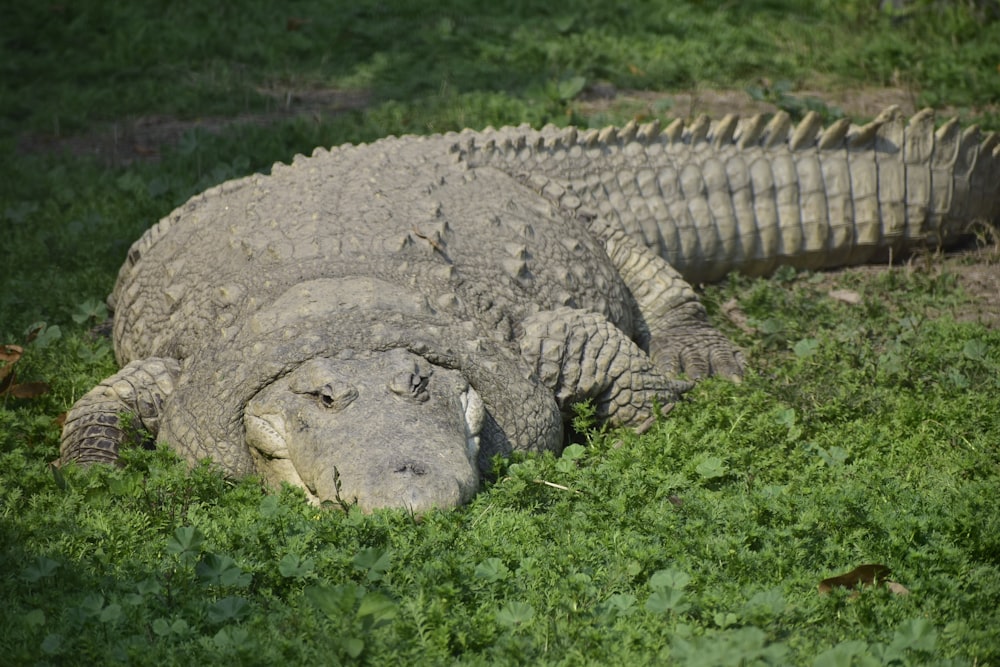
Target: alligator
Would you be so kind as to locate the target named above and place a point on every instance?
(376, 322)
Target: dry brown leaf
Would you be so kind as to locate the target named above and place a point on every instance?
(9, 354)
(28, 390)
(871, 574)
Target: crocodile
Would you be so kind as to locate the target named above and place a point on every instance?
(375, 323)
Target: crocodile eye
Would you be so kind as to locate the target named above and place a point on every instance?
(335, 398)
(412, 385)
(326, 396)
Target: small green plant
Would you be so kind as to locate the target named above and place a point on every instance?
(667, 594)
(584, 417)
(354, 612)
(780, 95)
(90, 311)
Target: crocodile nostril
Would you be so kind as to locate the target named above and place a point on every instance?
(411, 469)
(412, 384)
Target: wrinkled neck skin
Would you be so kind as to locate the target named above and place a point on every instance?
(342, 344)
(379, 428)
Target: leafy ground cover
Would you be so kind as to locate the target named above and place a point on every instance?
(866, 434)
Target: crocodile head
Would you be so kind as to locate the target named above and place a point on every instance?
(383, 429)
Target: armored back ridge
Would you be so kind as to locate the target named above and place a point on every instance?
(374, 323)
(750, 194)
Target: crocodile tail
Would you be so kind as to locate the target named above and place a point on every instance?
(754, 193)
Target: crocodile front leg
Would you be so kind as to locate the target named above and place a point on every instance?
(680, 337)
(580, 355)
(93, 431)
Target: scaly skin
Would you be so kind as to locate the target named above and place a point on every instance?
(375, 322)
(746, 195)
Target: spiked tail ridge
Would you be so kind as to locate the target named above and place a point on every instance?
(750, 194)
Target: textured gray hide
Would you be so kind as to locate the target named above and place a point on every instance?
(374, 323)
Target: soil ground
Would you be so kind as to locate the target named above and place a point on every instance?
(977, 270)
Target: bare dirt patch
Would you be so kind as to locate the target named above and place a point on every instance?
(143, 138)
(860, 103)
(976, 270)
(979, 275)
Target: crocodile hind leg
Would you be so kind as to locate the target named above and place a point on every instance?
(680, 338)
(93, 431)
(580, 355)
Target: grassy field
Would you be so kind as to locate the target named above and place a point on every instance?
(866, 433)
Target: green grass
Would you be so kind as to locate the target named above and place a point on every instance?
(69, 64)
(865, 433)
